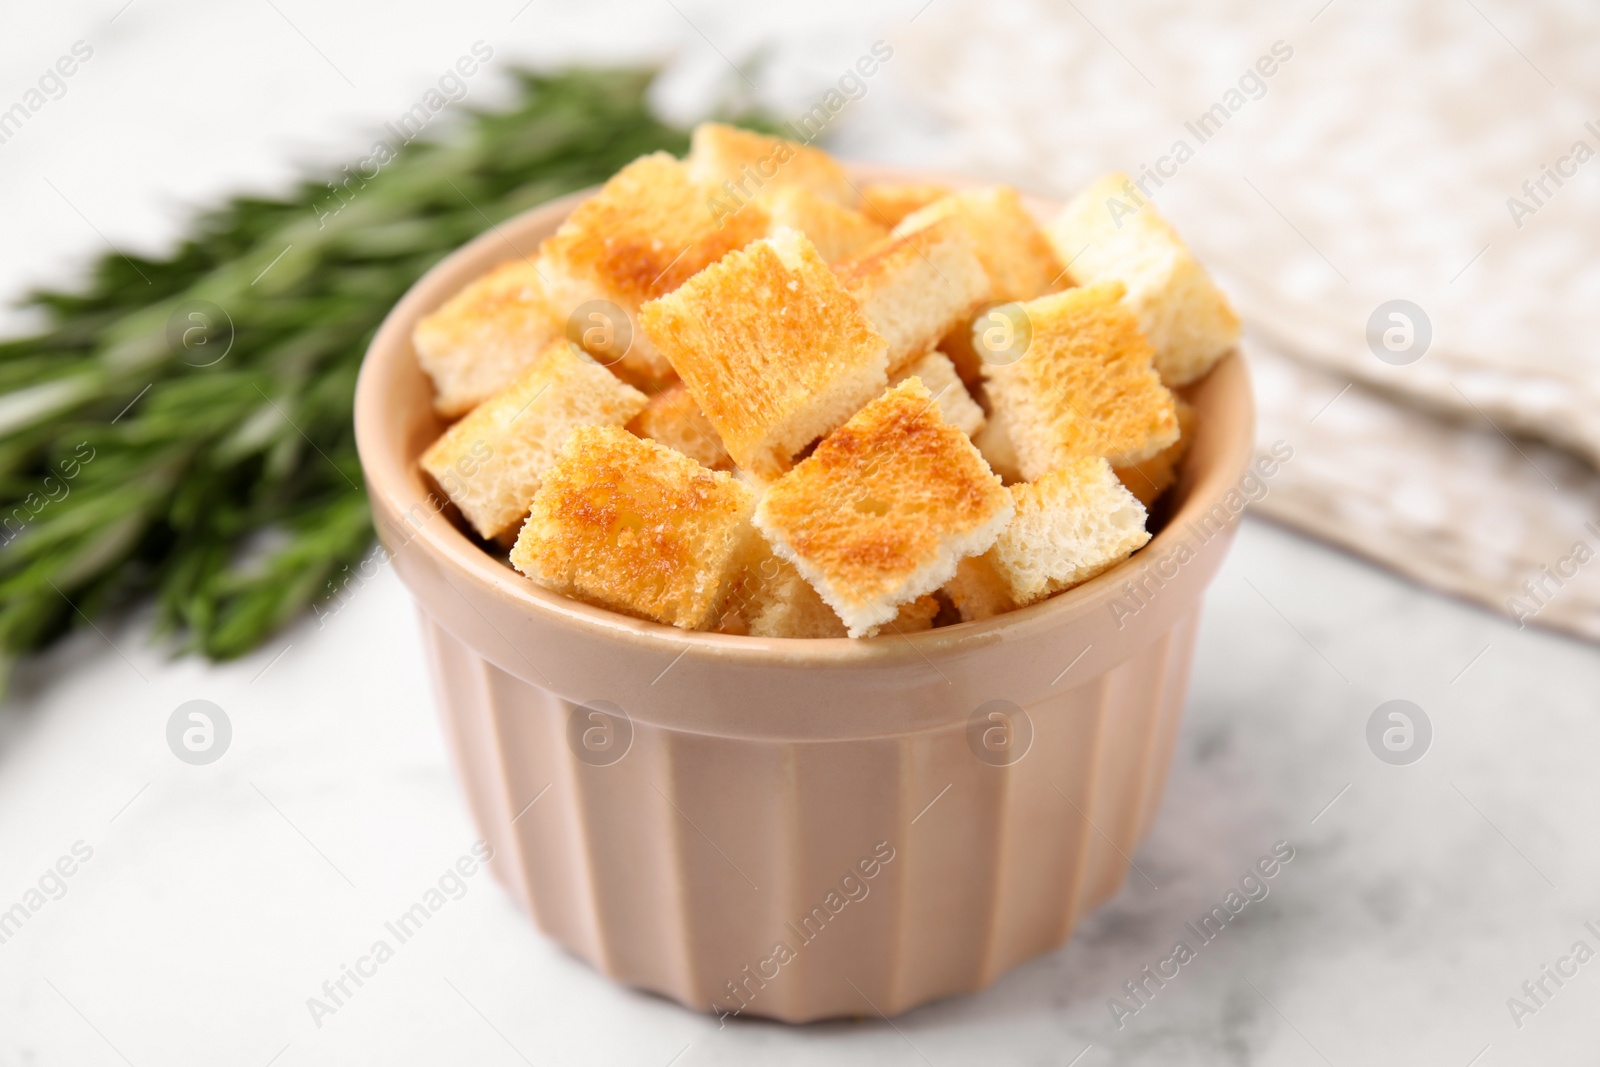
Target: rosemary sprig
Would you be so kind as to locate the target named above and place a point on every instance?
(182, 429)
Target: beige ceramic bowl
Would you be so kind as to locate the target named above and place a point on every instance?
(797, 829)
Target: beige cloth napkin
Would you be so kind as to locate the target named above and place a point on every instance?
(1340, 157)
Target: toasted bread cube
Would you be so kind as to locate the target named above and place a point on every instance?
(1014, 252)
(979, 591)
(994, 443)
(1083, 385)
(490, 463)
(1016, 255)
(1109, 232)
(916, 287)
(1149, 479)
(731, 622)
(633, 526)
(484, 336)
(672, 418)
(1073, 523)
(737, 164)
(938, 374)
(647, 231)
(773, 600)
(913, 618)
(838, 232)
(1070, 525)
(889, 202)
(881, 512)
(772, 349)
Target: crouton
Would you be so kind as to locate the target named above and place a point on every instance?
(1073, 523)
(1148, 480)
(672, 418)
(978, 590)
(838, 232)
(912, 618)
(916, 287)
(994, 444)
(1016, 255)
(1084, 386)
(889, 202)
(481, 338)
(955, 403)
(773, 600)
(734, 165)
(1109, 232)
(635, 527)
(879, 514)
(490, 463)
(647, 230)
(771, 347)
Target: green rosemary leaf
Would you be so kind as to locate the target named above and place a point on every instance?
(181, 429)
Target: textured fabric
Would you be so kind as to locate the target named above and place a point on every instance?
(1449, 503)
(1384, 157)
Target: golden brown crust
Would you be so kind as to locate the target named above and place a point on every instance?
(647, 231)
(1108, 232)
(748, 162)
(882, 498)
(889, 202)
(837, 231)
(672, 418)
(890, 256)
(781, 356)
(1085, 385)
(1015, 253)
(771, 347)
(633, 526)
(1013, 249)
(916, 287)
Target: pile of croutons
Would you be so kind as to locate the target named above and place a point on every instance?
(735, 392)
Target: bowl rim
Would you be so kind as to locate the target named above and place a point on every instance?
(393, 484)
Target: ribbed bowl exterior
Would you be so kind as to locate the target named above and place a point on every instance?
(798, 829)
(683, 865)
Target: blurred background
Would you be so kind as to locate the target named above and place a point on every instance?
(1403, 202)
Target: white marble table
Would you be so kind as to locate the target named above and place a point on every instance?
(216, 899)
(219, 898)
